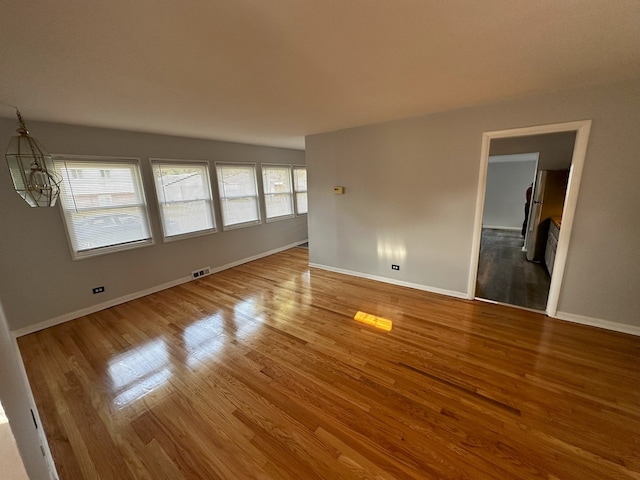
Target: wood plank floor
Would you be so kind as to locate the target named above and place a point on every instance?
(505, 275)
(260, 371)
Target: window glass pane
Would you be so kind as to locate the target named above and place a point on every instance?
(300, 179)
(239, 210)
(186, 217)
(277, 190)
(237, 181)
(103, 204)
(238, 194)
(300, 186)
(278, 205)
(95, 228)
(301, 202)
(276, 179)
(184, 196)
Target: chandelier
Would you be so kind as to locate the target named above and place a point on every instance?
(32, 170)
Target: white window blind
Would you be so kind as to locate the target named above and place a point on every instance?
(104, 205)
(238, 194)
(300, 188)
(278, 192)
(184, 197)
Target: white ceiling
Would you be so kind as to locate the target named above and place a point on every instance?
(272, 71)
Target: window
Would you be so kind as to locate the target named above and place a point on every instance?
(277, 191)
(300, 188)
(184, 197)
(103, 212)
(238, 194)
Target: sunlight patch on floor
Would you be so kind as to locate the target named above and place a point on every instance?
(378, 322)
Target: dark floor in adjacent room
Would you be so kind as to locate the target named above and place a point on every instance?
(505, 275)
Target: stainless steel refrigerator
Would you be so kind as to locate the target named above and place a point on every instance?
(547, 202)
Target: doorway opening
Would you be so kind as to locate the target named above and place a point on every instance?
(504, 274)
(559, 147)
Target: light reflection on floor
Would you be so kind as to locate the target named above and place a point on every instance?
(248, 318)
(137, 372)
(204, 339)
(305, 282)
(145, 368)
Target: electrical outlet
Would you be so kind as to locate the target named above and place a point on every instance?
(204, 271)
(395, 267)
(98, 290)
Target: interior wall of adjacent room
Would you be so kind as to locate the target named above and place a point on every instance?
(507, 183)
(40, 281)
(411, 188)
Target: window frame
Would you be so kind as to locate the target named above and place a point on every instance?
(183, 162)
(222, 198)
(264, 192)
(98, 251)
(295, 191)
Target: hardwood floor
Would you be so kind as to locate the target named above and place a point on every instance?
(505, 275)
(260, 371)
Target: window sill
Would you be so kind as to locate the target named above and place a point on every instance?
(96, 252)
(183, 236)
(281, 217)
(237, 226)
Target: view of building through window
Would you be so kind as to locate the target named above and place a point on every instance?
(276, 180)
(103, 203)
(238, 194)
(300, 188)
(105, 209)
(184, 197)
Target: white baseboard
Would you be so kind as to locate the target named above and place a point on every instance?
(256, 257)
(142, 293)
(401, 283)
(597, 322)
(569, 317)
(500, 227)
(96, 308)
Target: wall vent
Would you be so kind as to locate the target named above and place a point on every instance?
(203, 272)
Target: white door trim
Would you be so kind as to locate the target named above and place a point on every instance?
(582, 129)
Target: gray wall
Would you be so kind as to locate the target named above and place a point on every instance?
(16, 402)
(39, 281)
(411, 185)
(504, 198)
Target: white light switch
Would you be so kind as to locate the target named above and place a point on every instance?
(338, 190)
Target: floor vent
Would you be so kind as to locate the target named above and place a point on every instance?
(203, 272)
